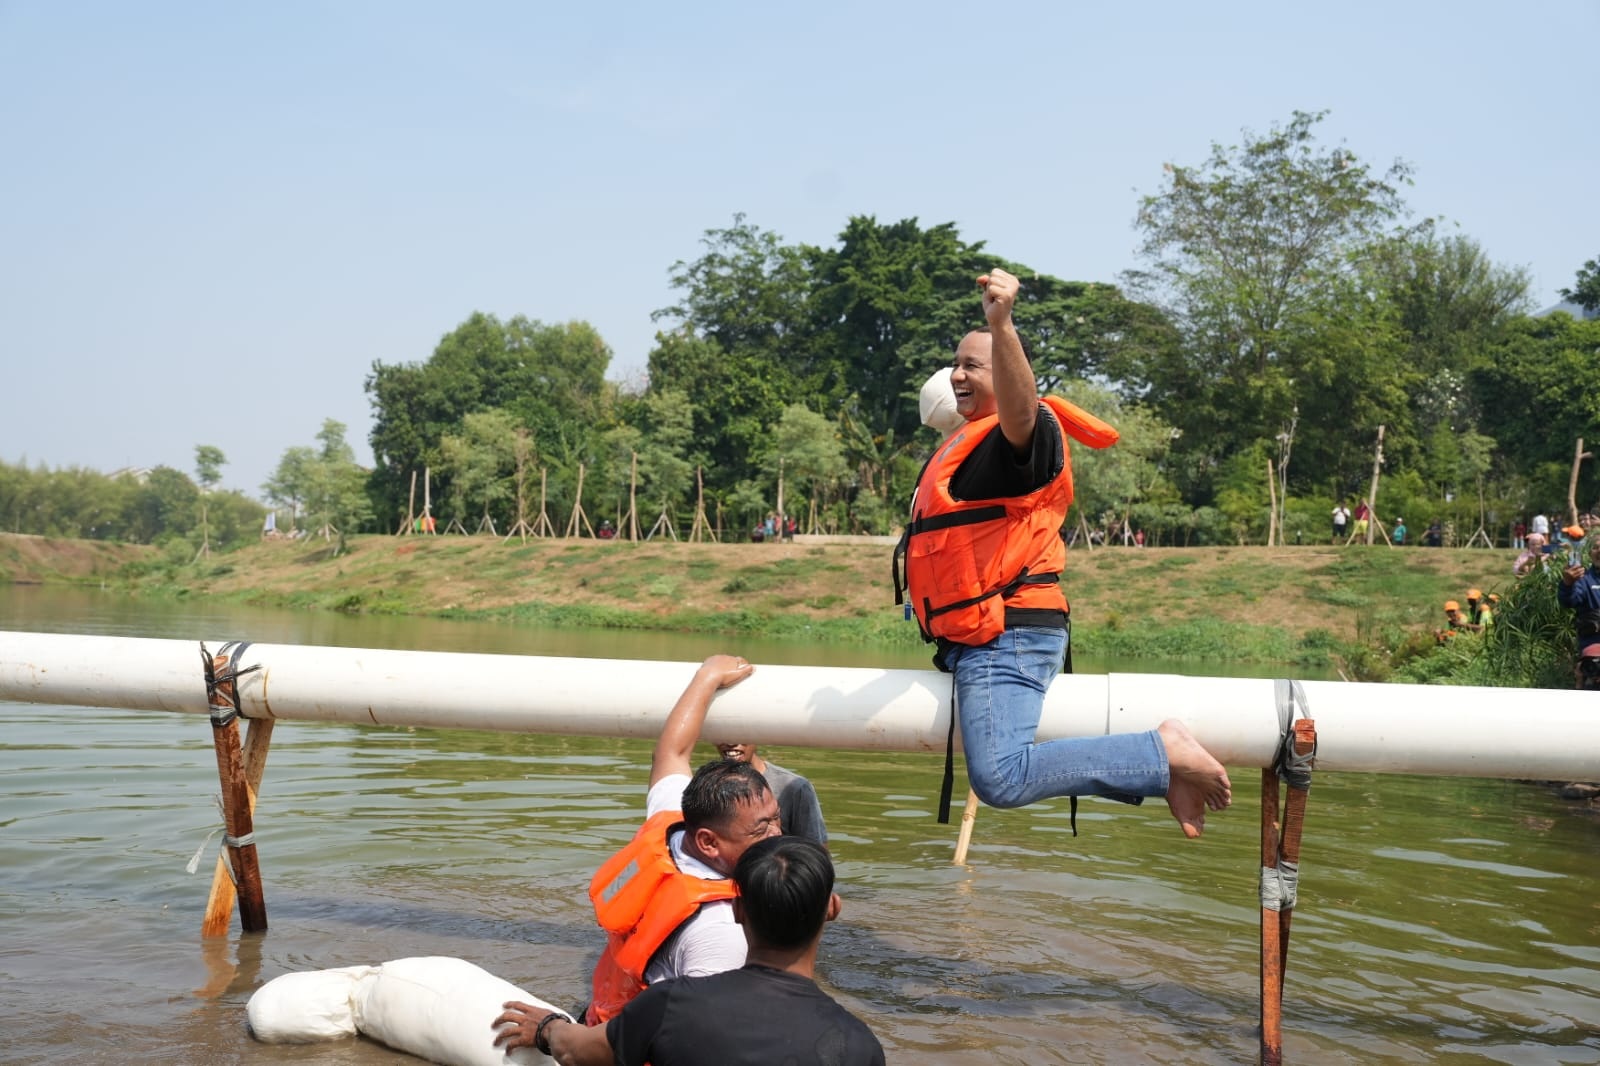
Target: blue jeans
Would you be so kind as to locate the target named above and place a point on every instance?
(1000, 689)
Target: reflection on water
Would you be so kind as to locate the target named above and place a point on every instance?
(1440, 920)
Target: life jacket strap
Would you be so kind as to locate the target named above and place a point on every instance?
(1006, 590)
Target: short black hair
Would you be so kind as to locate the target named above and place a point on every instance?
(785, 884)
(713, 795)
(1027, 348)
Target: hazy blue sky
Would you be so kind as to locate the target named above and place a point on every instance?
(215, 217)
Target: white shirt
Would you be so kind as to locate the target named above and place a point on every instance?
(1541, 525)
(710, 942)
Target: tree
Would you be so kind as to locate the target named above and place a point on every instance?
(163, 507)
(665, 466)
(809, 451)
(549, 378)
(1118, 479)
(1586, 292)
(1539, 390)
(335, 487)
(479, 459)
(1250, 253)
(208, 463)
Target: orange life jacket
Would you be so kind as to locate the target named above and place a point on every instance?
(967, 560)
(640, 897)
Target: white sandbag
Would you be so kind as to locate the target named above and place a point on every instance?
(303, 1008)
(441, 1009)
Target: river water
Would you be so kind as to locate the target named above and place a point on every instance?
(1451, 921)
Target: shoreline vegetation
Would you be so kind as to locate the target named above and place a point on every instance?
(1355, 609)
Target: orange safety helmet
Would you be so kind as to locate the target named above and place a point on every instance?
(1474, 594)
(1451, 605)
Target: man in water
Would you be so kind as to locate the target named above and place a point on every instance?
(983, 556)
(797, 799)
(665, 898)
(770, 1011)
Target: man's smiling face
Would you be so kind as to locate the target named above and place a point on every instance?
(972, 377)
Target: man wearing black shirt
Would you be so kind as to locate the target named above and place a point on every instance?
(983, 557)
(771, 1011)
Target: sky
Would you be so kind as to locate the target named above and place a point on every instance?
(214, 218)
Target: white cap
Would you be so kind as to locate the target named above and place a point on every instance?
(938, 403)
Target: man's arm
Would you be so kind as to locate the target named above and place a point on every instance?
(1016, 391)
(682, 729)
(570, 1044)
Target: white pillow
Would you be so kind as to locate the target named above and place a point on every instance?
(441, 1009)
(302, 1008)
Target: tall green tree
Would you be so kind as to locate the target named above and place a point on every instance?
(549, 378)
(1251, 252)
(480, 462)
(809, 456)
(1585, 291)
(336, 487)
(208, 464)
(1539, 391)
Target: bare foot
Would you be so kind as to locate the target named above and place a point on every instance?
(1196, 781)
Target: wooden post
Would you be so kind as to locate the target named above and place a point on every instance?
(780, 496)
(411, 508)
(1578, 456)
(633, 497)
(427, 500)
(969, 818)
(1280, 855)
(577, 510)
(239, 836)
(219, 906)
(1372, 494)
(1272, 503)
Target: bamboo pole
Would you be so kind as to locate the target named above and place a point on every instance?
(1280, 874)
(1578, 456)
(969, 818)
(219, 905)
(1372, 493)
(1272, 498)
(1271, 954)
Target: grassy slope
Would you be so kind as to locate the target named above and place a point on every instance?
(32, 560)
(1276, 604)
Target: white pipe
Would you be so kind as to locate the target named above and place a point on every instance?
(1418, 729)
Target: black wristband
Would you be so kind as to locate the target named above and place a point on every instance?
(541, 1039)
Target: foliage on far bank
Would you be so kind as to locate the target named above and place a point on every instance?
(1530, 645)
(1310, 606)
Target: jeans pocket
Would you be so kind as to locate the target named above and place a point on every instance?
(1038, 654)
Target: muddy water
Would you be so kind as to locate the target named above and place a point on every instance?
(1439, 920)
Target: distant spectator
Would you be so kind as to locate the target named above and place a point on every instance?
(1519, 535)
(1341, 516)
(1399, 532)
(1532, 553)
(1541, 526)
(1362, 514)
(1433, 537)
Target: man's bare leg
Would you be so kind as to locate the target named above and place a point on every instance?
(1196, 781)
